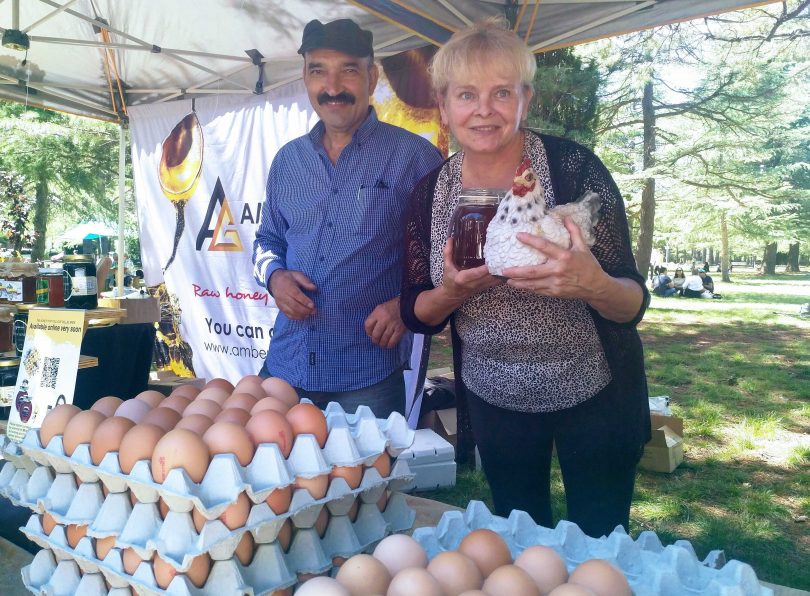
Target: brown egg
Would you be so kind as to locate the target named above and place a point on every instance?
(474, 593)
(165, 418)
(107, 405)
(151, 397)
(251, 388)
(398, 552)
(48, 523)
(180, 448)
(279, 500)
(163, 508)
(80, 429)
(139, 443)
(245, 549)
(269, 426)
(108, 437)
(250, 379)
(351, 474)
(487, 550)
(510, 579)
(134, 409)
(227, 437)
(284, 536)
(322, 586)
(178, 403)
(308, 419)
(235, 415)
(196, 423)
(75, 533)
(363, 574)
(235, 515)
(338, 561)
(206, 407)
(571, 590)
(414, 580)
(322, 521)
(103, 546)
(187, 391)
(316, 486)
(544, 565)
(383, 464)
(197, 573)
(218, 395)
(270, 403)
(220, 383)
(131, 560)
(455, 572)
(198, 519)
(55, 422)
(244, 401)
(281, 389)
(601, 577)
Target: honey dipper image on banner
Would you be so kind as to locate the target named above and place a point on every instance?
(180, 168)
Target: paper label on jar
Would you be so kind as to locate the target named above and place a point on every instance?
(6, 396)
(18, 335)
(80, 285)
(11, 290)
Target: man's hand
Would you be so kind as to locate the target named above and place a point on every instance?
(384, 325)
(287, 288)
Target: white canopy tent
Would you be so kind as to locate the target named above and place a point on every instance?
(96, 57)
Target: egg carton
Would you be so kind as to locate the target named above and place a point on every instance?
(271, 569)
(368, 435)
(13, 452)
(12, 481)
(49, 577)
(225, 478)
(651, 568)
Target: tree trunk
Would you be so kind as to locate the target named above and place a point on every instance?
(647, 211)
(725, 259)
(793, 258)
(769, 259)
(41, 205)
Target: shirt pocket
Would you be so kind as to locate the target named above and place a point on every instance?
(378, 212)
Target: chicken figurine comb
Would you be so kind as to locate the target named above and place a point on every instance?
(523, 209)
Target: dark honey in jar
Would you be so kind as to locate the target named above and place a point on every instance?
(468, 226)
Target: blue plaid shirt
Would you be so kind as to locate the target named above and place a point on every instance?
(342, 226)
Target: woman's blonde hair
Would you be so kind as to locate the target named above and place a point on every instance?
(476, 49)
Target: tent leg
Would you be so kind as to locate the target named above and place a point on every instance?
(119, 270)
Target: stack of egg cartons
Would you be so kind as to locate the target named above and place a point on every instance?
(257, 526)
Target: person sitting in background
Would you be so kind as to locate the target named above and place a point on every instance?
(663, 285)
(693, 286)
(708, 282)
(677, 281)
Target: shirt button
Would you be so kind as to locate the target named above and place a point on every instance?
(329, 224)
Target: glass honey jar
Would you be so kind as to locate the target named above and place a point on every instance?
(468, 225)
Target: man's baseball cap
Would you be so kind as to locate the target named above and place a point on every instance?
(701, 270)
(343, 35)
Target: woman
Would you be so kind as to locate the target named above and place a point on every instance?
(678, 280)
(693, 285)
(550, 355)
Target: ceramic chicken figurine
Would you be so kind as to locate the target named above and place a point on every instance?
(523, 209)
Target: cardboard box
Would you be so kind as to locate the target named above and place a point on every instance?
(432, 461)
(664, 452)
(445, 425)
(673, 422)
(139, 310)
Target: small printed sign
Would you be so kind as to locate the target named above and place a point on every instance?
(48, 366)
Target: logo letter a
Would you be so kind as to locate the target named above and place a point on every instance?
(222, 239)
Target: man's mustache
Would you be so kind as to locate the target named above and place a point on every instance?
(342, 97)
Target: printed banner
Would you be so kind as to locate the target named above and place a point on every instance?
(48, 367)
(200, 171)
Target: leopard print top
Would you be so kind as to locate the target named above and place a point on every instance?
(503, 330)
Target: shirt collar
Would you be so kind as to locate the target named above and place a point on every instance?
(360, 135)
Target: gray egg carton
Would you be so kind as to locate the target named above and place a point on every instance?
(651, 568)
(270, 570)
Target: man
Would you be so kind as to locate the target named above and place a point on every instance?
(664, 285)
(329, 243)
(693, 286)
(708, 282)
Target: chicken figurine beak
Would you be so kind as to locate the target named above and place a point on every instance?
(525, 180)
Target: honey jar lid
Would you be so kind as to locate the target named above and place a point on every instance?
(79, 259)
(6, 362)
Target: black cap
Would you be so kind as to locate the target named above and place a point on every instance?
(343, 35)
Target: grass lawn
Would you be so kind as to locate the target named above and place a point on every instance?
(737, 371)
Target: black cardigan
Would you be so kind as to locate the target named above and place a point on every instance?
(574, 169)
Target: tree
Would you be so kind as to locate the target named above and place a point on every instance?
(15, 224)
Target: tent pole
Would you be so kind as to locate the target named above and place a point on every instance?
(119, 265)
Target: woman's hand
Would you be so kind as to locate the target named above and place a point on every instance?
(568, 273)
(461, 284)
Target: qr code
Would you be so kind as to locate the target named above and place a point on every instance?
(50, 370)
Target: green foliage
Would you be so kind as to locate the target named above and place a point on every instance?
(565, 96)
(15, 206)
